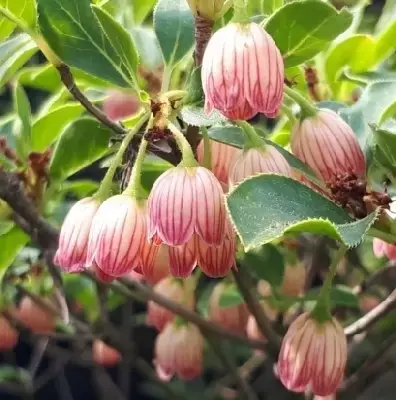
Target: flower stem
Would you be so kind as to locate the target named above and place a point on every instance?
(188, 159)
(207, 161)
(105, 187)
(307, 108)
(134, 187)
(321, 310)
(387, 237)
(252, 138)
(289, 113)
(240, 13)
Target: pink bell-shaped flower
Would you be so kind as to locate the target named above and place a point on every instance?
(155, 262)
(313, 354)
(242, 72)
(73, 240)
(118, 234)
(217, 261)
(174, 289)
(179, 351)
(255, 161)
(328, 145)
(221, 156)
(233, 318)
(382, 248)
(185, 202)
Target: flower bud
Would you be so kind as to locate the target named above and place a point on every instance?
(242, 72)
(252, 329)
(35, 317)
(328, 145)
(71, 255)
(175, 290)
(119, 105)
(208, 9)
(368, 302)
(221, 156)
(8, 334)
(104, 354)
(179, 351)
(117, 235)
(233, 318)
(257, 161)
(293, 282)
(185, 202)
(313, 354)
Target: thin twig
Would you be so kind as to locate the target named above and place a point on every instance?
(362, 324)
(230, 367)
(254, 306)
(67, 79)
(38, 354)
(351, 384)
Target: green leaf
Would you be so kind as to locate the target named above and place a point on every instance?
(23, 10)
(140, 9)
(195, 94)
(386, 140)
(14, 53)
(265, 262)
(356, 52)
(9, 373)
(174, 27)
(88, 38)
(44, 77)
(80, 188)
(368, 77)
(375, 99)
(153, 167)
(83, 142)
(265, 207)
(196, 116)
(22, 123)
(305, 37)
(148, 47)
(340, 296)
(230, 297)
(46, 129)
(233, 136)
(11, 243)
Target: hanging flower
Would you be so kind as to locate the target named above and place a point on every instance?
(118, 235)
(185, 202)
(179, 351)
(242, 72)
(155, 262)
(313, 354)
(328, 145)
(222, 156)
(233, 318)
(174, 289)
(384, 249)
(216, 262)
(256, 161)
(73, 239)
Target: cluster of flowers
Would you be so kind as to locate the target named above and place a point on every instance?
(185, 222)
